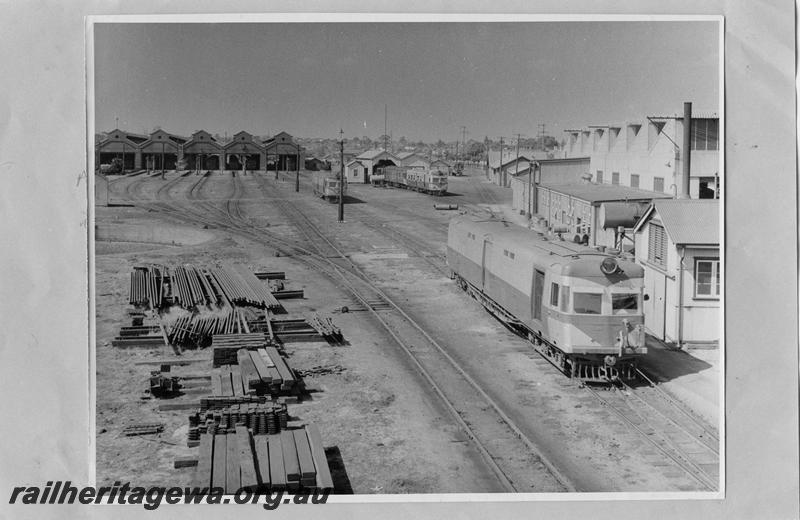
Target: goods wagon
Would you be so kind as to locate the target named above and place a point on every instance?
(581, 308)
(326, 185)
(433, 181)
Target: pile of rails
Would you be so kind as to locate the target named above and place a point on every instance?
(147, 286)
(190, 287)
(292, 460)
(242, 287)
(139, 336)
(326, 328)
(257, 372)
(260, 418)
(193, 331)
(226, 346)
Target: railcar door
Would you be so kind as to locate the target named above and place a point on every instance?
(537, 292)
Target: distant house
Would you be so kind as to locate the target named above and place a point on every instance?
(441, 164)
(356, 172)
(678, 243)
(413, 160)
(314, 164)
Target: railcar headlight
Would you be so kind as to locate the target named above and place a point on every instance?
(609, 265)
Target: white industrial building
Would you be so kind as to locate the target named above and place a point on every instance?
(647, 154)
(678, 243)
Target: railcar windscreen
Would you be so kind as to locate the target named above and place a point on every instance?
(587, 303)
(624, 303)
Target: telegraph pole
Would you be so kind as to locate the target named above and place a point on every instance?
(500, 168)
(464, 140)
(297, 169)
(341, 175)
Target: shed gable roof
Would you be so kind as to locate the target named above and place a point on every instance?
(686, 221)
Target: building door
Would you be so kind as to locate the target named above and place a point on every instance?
(655, 307)
(537, 292)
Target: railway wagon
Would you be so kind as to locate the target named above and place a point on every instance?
(581, 309)
(326, 185)
(433, 182)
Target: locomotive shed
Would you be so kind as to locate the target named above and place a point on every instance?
(401, 415)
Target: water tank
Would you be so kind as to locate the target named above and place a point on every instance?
(614, 214)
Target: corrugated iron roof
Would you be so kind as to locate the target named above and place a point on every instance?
(604, 192)
(690, 221)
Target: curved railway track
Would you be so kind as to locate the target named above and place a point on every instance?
(512, 456)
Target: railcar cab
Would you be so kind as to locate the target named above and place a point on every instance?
(595, 306)
(438, 181)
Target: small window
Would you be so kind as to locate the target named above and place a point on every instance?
(588, 303)
(564, 298)
(634, 180)
(624, 303)
(707, 277)
(511, 255)
(599, 176)
(615, 178)
(658, 184)
(554, 294)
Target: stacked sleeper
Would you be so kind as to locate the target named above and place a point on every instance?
(227, 345)
(256, 372)
(291, 460)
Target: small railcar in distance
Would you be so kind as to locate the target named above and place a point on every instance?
(431, 181)
(326, 185)
(581, 309)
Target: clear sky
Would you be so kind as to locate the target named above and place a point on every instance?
(312, 79)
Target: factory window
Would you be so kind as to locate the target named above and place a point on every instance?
(706, 278)
(588, 303)
(615, 178)
(599, 176)
(508, 253)
(554, 294)
(705, 134)
(624, 303)
(658, 184)
(634, 180)
(657, 245)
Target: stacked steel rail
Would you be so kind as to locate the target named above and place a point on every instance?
(240, 286)
(147, 285)
(190, 330)
(190, 287)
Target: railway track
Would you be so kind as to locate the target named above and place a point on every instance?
(512, 456)
(665, 424)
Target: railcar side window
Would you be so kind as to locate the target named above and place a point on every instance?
(554, 294)
(587, 303)
(624, 303)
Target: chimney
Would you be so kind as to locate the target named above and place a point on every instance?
(687, 150)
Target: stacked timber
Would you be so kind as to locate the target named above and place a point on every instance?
(255, 372)
(289, 461)
(227, 345)
(240, 286)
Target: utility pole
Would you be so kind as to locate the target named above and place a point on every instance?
(541, 135)
(516, 162)
(464, 140)
(500, 167)
(297, 169)
(341, 175)
(385, 126)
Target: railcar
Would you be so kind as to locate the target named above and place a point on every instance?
(431, 181)
(326, 185)
(580, 308)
